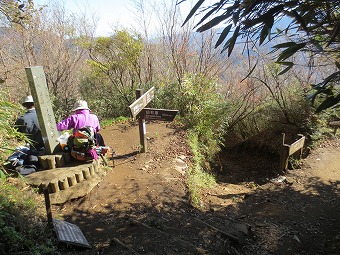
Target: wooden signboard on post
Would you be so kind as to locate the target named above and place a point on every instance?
(157, 114)
(138, 110)
(136, 107)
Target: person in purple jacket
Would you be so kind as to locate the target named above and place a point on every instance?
(82, 117)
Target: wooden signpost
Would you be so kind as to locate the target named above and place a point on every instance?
(139, 111)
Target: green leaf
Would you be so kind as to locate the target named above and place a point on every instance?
(300, 20)
(334, 77)
(193, 10)
(2, 80)
(288, 64)
(236, 17)
(251, 5)
(263, 34)
(285, 70)
(266, 29)
(223, 35)
(233, 40)
(208, 15)
(327, 103)
(335, 33)
(248, 23)
(266, 18)
(215, 21)
(3, 176)
(321, 89)
(290, 51)
(284, 45)
(276, 9)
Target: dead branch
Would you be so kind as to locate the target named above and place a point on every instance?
(117, 241)
(200, 250)
(237, 239)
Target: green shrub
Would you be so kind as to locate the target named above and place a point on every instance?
(103, 99)
(291, 108)
(198, 178)
(108, 122)
(202, 111)
(200, 107)
(22, 228)
(9, 137)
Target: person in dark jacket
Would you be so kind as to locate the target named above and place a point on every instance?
(29, 124)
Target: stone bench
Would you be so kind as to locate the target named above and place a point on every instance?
(66, 181)
(54, 161)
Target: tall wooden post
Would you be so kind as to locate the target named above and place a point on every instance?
(37, 81)
(284, 155)
(48, 206)
(142, 126)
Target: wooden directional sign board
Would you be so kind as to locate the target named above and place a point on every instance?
(138, 105)
(157, 114)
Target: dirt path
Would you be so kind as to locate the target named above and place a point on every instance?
(141, 207)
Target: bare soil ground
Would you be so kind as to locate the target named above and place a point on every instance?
(142, 205)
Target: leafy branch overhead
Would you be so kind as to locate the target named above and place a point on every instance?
(312, 25)
(16, 11)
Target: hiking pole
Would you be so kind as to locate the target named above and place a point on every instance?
(104, 159)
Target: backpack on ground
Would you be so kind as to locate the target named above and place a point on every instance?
(82, 144)
(24, 161)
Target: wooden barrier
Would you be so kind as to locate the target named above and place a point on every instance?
(335, 125)
(288, 150)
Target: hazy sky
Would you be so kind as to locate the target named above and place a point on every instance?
(109, 12)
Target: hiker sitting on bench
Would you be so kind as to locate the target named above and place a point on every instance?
(29, 125)
(82, 118)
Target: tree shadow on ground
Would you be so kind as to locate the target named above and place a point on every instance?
(290, 219)
(284, 219)
(154, 227)
(247, 166)
(299, 216)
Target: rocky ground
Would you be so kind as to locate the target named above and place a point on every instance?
(142, 204)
